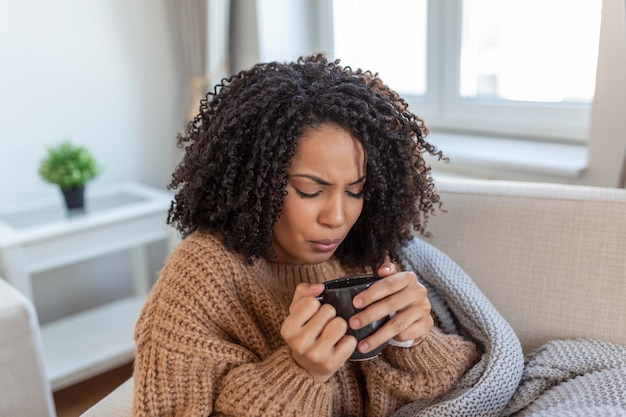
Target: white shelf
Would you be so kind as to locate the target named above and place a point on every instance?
(41, 235)
(89, 343)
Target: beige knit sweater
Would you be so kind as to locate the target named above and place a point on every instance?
(208, 343)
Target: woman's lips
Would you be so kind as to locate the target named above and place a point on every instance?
(326, 245)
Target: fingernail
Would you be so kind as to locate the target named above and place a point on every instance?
(387, 268)
(357, 302)
(364, 347)
(355, 324)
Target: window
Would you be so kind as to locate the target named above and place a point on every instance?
(500, 67)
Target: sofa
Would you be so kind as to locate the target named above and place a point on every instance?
(24, 387)
(551, 258)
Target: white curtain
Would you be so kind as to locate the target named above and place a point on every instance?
(205, 37)
(622, 175)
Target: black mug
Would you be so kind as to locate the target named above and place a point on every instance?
(339, 293)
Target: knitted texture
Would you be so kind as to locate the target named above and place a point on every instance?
(563, 378)
(461, 307)
(208, 343)
(571, 378)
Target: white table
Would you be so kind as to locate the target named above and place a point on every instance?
(42, 235)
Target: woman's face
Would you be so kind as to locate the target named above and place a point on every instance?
(324, 196)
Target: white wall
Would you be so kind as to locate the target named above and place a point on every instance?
(107, 74)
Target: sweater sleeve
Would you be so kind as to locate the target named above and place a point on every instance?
(292, 391)
(422, 372)
(169, 383)
(192, 359)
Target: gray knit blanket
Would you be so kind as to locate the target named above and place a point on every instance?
(564, 378)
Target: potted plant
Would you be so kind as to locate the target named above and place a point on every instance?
(70, 167)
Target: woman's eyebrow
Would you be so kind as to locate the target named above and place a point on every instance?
(322, 181)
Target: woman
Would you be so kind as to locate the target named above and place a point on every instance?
(294, 174)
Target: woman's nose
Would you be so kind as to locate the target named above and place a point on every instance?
(333, 214)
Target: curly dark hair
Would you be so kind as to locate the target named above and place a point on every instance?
(232, 178)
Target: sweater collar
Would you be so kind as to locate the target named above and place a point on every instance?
(293, 274)
(282, 279)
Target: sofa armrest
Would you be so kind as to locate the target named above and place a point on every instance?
(24, 387)
(118, 403)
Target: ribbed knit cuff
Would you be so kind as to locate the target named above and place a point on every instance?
(434, 352)
(422, 371)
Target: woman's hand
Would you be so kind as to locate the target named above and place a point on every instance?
(317, 338)
(399, 294)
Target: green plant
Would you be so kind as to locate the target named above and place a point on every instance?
(69, 166)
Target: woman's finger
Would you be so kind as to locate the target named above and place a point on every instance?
(400, 328)
(387, 296)
(384, 288)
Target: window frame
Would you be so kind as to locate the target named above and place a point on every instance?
(445, 110)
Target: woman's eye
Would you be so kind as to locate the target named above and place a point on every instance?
(349, 193)
(305, 195)
(355, 195)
